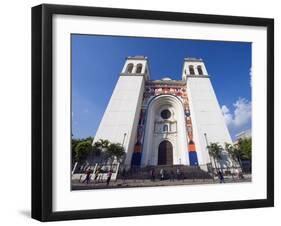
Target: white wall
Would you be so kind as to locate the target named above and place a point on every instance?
(206, 116)
(15, 111)
(122, 113)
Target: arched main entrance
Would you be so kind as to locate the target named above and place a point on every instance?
(165, 153)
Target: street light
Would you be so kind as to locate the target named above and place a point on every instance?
(124, 139)
(123, 146)
(205, 135)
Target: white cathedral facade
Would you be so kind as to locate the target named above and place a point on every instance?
(164, 122)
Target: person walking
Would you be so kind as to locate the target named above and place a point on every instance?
(220, 175)
(240, 175)
(109, 174)
(97, 174)
(124, 174)
(161, 174)
(152, 174)
(172, 175)
(236, 172)
(178, 173)
(88, 176)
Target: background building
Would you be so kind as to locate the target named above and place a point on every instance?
(243, 135)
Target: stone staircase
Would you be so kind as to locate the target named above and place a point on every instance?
(186, 172)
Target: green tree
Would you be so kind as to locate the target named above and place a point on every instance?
(100, 151)
(234, 152)
(215, 150)
(102, 144)
(242, 150)
(81, 149)
(245, 146)
(107, 151)
(74, 143)
(115, 150)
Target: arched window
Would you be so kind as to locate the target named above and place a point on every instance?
(139, 67)
(129, 68)
(165, 128)
(191, 70)
(199, 69)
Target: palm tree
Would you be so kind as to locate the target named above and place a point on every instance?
(108, 151)
(232, 151)
(241, 150)
(99, 149)
(115, 151)
(102, 144)
(215, 150)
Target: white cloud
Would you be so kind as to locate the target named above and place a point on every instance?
(241, 115)
(251, 76)
(227, 115)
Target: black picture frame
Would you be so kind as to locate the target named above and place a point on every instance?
(42, 111)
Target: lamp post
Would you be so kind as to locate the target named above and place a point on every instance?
(123, 147)
(205, 135)
(124, 139)
(207, 143)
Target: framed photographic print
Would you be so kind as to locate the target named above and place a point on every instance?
(145, 112)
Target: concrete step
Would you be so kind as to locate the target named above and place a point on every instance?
(170, 172)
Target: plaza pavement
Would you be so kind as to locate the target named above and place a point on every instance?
(76, 185)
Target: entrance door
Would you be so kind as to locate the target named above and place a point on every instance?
(165, 153)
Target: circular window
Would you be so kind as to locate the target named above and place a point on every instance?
(165, 114)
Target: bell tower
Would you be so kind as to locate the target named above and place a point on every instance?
(120, 120)
(194, 68)
(207, 119)
(136, 66)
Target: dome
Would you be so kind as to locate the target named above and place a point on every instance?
(166, 79)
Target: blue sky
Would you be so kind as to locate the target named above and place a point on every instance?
(98, 60)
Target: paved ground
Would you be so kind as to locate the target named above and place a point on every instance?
(76, 185)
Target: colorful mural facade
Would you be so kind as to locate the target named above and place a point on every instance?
(153, 89)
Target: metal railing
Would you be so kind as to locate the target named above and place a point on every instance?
(168, 173)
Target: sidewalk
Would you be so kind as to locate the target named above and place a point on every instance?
(76, 185)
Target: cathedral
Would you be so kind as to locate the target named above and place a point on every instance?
(164, 122)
